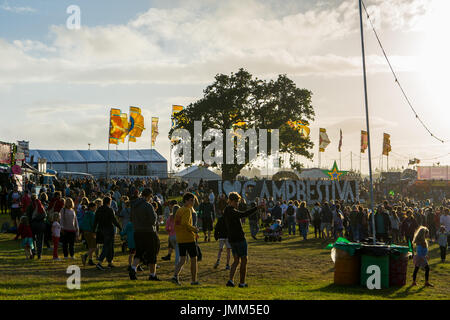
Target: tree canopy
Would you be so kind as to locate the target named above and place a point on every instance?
(241, 101)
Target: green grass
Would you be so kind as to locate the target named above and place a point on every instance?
(291, 269)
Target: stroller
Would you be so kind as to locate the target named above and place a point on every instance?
(273, 234)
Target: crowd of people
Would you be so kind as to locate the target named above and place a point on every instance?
(96, 211)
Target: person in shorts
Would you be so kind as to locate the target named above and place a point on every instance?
(144, 219)
(220, 233)
(186, 235)
(236, 237)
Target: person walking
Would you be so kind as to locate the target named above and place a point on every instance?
(236, 237)
(315, 214)
(442, 242)
(253, 220)
(69, 228)
(105, 220)
(326, 217)
(87, 228)
(290, 218)
(220, 233)
(186, 235)
(206, 212)
(145, 220)
(303, 218)
(170, 228)
(36, 214)
(421, 258)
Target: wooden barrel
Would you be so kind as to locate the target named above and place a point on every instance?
(398, 267)
(347, 268)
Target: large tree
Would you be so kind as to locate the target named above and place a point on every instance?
(252, 103)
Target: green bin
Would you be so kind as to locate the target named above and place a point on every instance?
(375, 255)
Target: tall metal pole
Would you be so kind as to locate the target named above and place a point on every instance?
(367, 119)
(351, 161)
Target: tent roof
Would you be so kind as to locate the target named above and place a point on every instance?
(198, 172)
(313, 173)
(78, 156)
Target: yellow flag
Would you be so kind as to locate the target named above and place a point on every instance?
(136, 124)
(154, 130)
(175, 109)
(386, 144)
(118, 127)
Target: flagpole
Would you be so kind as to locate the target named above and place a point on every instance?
(367, 120)
(117, 146)
(319, 148)
(351, 161)
(109, 132)
(107, 167)
(128, 165)
(360, 163)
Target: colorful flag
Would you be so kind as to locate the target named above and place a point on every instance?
(136, 125)
(175, 109)
(301, 127)
(324, 141)
(340, 141)
(364, 141)
(414, 161)
(154, 130)
(118, 126)
(386, 144)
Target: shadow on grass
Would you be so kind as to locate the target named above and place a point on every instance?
(391, 293)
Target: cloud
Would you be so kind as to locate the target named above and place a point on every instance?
(5, 6)
(192, 43)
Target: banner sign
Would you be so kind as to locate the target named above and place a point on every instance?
(432, 173)
(23, 147)
(6, 153)
(302, 190)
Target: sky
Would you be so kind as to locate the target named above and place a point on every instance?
(57, 85)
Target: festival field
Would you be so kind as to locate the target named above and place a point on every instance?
(287, 270)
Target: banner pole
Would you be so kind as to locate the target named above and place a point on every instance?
(351, 161)
(367, 120)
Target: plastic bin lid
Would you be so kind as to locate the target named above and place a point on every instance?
(375, 250)
(345, 245)
(401, 249)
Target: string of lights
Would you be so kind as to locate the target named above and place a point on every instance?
(396, 78)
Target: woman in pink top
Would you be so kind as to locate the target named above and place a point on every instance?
(170, 228)
(69, 228)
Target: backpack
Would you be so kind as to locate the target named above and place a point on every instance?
(290, 211)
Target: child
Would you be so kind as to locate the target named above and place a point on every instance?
(128, 231)
(24, 231)
(87, 227)
(276, 225)
(220, 233)
(420, 259)
(56, 232)
(170, 228)
(442, 241)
